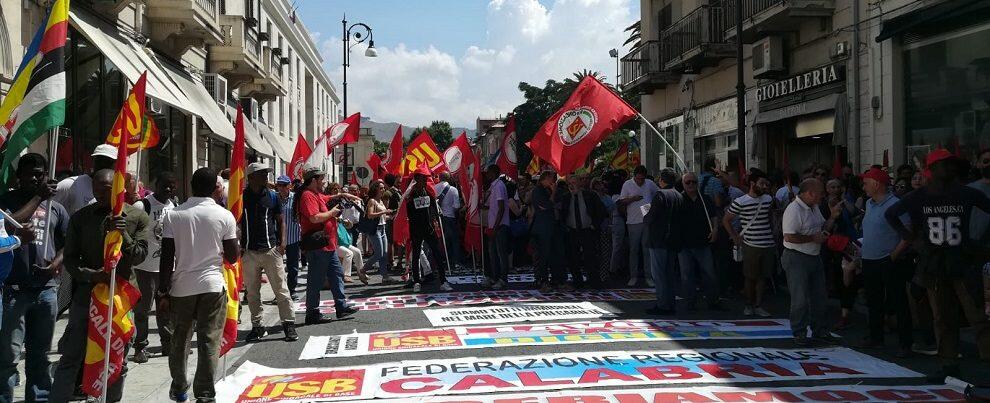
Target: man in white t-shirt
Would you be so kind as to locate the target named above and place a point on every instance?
(449, 200)
(197, 237)
(498, 225)
(636, 195)
(76, 192)
(156, 206)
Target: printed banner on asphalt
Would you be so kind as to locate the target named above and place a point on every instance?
(485, 297)
(456, 338)
(834, 393)
(411, 379)
(516, 312)
(512, 278)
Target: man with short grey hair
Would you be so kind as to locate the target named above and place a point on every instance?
(695, 222)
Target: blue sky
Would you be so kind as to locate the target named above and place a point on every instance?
(457, 60)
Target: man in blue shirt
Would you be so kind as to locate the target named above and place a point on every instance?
(292, 232)
(884, 275)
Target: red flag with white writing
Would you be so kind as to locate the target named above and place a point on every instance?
(393, 156)
(507, 159)
(299, 157)
(375, 163)
(344, 132)
(591, 113)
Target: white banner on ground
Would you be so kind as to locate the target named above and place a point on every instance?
(512, 278)
(833, 393)
(471, 375)
(485, 297)
(457, 338)
(516, 312)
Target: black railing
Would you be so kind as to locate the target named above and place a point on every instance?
(703, 26)
(749, 9)
(640, 62)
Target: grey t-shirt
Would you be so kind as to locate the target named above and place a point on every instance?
(35, 253)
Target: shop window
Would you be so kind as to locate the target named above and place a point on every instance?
(171, 153)
(94, 92)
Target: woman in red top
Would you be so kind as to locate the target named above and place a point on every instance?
(317, 212)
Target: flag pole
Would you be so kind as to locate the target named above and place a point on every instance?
(106, 347)
(52, 152)
(443, 235)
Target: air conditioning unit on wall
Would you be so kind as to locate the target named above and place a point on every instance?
(250, 108)
(768, 57)
(216, 85)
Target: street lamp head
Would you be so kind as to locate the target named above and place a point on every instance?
(613, 52)
(632, 134)
(371, 51)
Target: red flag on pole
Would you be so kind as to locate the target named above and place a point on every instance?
(393, 157)
(235, 203)
(458, 156)
(299, 156)
(589, 115)
(375, 163)
(621, 158)
(344, 132)
(507, 159)
(423, 150)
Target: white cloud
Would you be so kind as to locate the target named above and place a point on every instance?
(525, 42)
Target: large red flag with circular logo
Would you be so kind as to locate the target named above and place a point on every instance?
(591, 113)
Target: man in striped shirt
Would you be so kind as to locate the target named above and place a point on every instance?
(756, 239)
(292, 233)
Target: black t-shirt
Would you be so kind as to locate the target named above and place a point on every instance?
(421, 208)
(692, 223)
(940, 219)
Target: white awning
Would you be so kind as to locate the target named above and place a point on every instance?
(206, 107)
(282, 147)
(251, 135)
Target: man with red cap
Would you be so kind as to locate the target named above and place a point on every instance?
(885, 275)
(940, 213)
(421, 205)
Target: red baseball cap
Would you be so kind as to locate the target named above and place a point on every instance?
(940, 154)
(423, 169)
(876, 174)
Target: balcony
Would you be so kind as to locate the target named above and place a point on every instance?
(238, 57)
(768, 16)
(696, 41)
(177, 25)
(642, 69)
(270, 86)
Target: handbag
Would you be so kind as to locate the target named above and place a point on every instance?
(737, 253)
(314, 241)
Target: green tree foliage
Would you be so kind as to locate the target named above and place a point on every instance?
(381, 147)
(441, 133)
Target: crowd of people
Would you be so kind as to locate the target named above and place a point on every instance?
(914, 243)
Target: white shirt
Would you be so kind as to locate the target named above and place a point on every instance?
(351, 214)
(636, 210)
(158, 212)
(199, 226)
(800, 219)
(450, 202)
(497, 193)
(74, 193)
(783, 196)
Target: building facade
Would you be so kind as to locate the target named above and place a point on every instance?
(204, 58)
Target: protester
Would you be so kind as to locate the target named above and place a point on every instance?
(83, 259)
(634, 201)
(391, 198)
(662, 242)
(550, 272)
(197, 237)
(605, 230)
(696, 221)
(885, 273)
(421, 208)
(76, 192)
(946, 253)
(378, 214)
(283, 185)
(620, 243)
(498, 226)
(843, 275)
(449, 199)
(263, 240)
(759, 251)
(318, 214)
(349, 254)
(786, 193)
(157, 206)
(710, 185)
(352, 213)
(805, 230)
(30, 290)
(583, 215)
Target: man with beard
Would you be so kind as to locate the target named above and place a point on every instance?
(759, 250)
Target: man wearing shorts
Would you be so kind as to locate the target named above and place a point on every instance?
(756, 239)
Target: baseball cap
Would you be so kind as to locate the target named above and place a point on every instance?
(256, 167)
(283, 180)
(311, 171)
(940, 154)
(876, 174)
(105, 150)
(422, 169)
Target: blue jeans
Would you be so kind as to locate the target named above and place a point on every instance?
(324, 264)
(377, 240)
(452, 236)
(638, 242)
(661, 268)
(292, 267)
(698, 261)
(28, 327)
(806, 283)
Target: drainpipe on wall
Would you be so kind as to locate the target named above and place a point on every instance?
(857, 117)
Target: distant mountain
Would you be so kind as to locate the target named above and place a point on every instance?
(385, 131)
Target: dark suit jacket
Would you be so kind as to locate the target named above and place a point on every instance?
(596, 209)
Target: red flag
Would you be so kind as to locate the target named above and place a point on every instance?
(393, 157)
(344, 132)
(423, 150)
(400, 227)
(132, 121)
(299, 156)
(458, 155)
(507, 160)
(621, 158)
(589, 115)
(837, 164)
(375, 163)
(354, 179)
(471, 184)
(235, 203)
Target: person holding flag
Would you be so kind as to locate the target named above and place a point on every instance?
(420, 203)
(84, 260)
(191, 282)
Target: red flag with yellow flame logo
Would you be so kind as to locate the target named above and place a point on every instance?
(133, 122)
(235, 203)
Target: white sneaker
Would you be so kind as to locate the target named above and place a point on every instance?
(761, 312)
(632, 282)
(748, 311)
(446, 287)
(417, 287)
(650, 283)
(486, 283)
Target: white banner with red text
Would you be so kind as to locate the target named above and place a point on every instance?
(515, 312)
(486, 297)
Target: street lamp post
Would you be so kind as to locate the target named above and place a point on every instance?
(615, 55)
(363, 33)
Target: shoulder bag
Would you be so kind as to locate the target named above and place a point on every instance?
(737, 253)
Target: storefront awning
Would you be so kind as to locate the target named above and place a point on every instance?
(204, 104)
(932, 15)
(251, 135)
(815, 105)
(280, 145)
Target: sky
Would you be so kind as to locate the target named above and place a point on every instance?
(457, 60)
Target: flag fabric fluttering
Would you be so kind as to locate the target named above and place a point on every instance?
(235, 203)
(507, 158)
(144, 134)
(320, 151)
(533, 168)
(591, 113)
(123, 295)
(634, 154)
(354, 179)
(393, 156)
(299, 157)
(400, 225)
(375, 163)
(35, 101)
(621, 158)
(468, 171)
(344, 132)
(423, 150)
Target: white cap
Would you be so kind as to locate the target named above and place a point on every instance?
(256, 167)
(105, 150)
